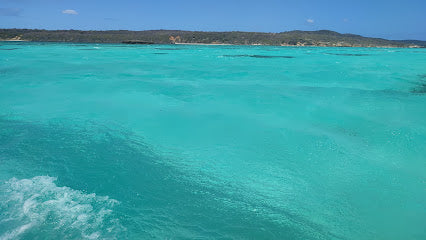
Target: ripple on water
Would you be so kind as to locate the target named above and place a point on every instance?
(114, 163)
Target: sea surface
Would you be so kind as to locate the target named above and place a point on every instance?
(104, 141)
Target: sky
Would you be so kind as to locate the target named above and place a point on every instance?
(391, 19)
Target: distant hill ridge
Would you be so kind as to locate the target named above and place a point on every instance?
(291, 38)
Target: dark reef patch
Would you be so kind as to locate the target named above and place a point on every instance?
(349, 54)
(8, 49)
(265, 56)
(6, 70)
(172, 49)
(420, 87)
(258, 56)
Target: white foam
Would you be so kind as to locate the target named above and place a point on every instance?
(39, 203)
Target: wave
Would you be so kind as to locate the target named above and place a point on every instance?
(39, 205)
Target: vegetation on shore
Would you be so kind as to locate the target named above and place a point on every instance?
(291, 38)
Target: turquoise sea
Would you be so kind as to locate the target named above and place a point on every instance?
(104, 141)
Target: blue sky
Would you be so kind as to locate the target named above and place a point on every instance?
(393, 19)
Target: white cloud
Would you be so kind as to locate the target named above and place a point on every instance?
(70, 11)
(310, 20)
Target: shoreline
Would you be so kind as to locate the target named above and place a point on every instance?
(319, 38)
(215, 44)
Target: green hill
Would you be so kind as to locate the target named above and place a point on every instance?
(291, 38)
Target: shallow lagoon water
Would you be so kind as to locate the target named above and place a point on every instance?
(211, 142)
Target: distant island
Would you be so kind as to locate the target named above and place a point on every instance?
(323, 38)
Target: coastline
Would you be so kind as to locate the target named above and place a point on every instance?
(319, 38)
(216, 44)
